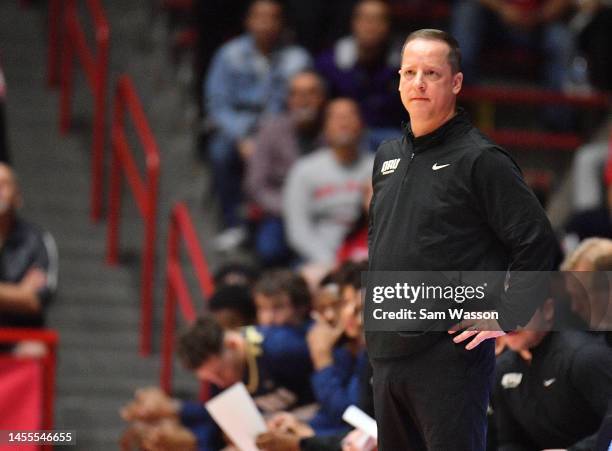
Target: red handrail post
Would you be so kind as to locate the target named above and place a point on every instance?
(148, 259)
(169, 325)
(67, 74)
(168, 335)
(145, 194)
(99, 122)
(49, 362)
(181, 228)
(114, 196)
(95, 66)
(53, 65)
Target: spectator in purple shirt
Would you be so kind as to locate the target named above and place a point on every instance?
(363, 66)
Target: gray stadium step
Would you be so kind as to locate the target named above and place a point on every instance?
(96, 310)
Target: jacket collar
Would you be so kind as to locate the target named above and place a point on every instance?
(455, 126)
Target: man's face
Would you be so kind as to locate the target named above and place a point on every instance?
(305, 98)
(350, 314)
(222, 370)
(276, 310)
(343, 125)
(428, 87)
(9, 194)
(371, 24)
(264, 22)
(229, 319)
(327, 304)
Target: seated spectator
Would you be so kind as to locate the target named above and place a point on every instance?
(588, 285)
(282, 298)
(273, 362)
(323, 194)
(232, 306)
(318, 23)
(595, 222)
(28, 262)
(587, 169)
(341, 378)
(363, 67)
(247, 78)
(594, 26)
(583, 258)
(280, 141)
(567, 374)
(538, 24)
(338, 355)
(235, 273)
(326, 301)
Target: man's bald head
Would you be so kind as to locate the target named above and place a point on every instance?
(9, 190)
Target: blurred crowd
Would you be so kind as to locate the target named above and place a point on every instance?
(294, 108)
(298, 346)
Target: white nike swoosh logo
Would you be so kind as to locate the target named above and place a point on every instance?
(435, 167)
(549, 382)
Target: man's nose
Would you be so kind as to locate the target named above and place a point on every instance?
(419, 81)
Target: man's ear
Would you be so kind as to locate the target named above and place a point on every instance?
(230, 341)
(18, 201)
(457, 82)
(548, 310)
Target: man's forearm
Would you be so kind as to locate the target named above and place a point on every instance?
(14, 298)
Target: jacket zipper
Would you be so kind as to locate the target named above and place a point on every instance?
(408, 166)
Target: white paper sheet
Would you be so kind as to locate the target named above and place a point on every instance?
(236, 414)
(359, 419)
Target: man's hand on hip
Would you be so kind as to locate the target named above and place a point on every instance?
(481, 330)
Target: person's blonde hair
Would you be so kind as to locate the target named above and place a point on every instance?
(591, 249)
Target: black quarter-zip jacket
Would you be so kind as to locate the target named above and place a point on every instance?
(453, 200)
(559, 399)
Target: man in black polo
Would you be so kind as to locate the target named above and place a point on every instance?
(446, 198)
(552, 389)
(28, 261)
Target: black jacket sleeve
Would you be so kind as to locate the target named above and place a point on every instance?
(591, 374)
(518, 220)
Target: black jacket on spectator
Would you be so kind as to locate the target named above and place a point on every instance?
(559, 399)
(27, 247)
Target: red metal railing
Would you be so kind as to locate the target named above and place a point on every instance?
(49, 362)
(488, 97)
(533, 96)
(181, 230)
(145, 193)
(95, 65)
(53, 56)
(608, 167)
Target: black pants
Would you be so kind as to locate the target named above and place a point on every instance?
(435, 399)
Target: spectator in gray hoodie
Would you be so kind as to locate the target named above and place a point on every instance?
(323, 193)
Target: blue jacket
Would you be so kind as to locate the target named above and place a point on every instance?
(336, 387)
(242, 84)
(277, 357)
